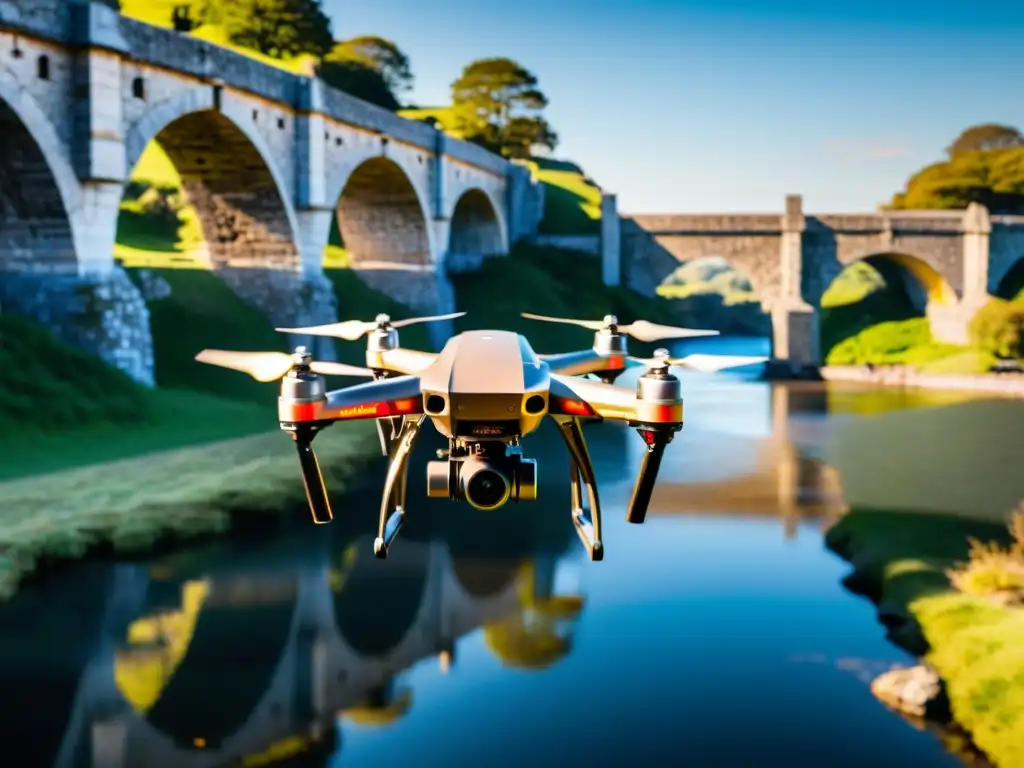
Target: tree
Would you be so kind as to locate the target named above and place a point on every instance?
(998, 327)
(278, 28)
(379, 55)
(359, 80)
(496, 103)
(984, 137)
(986, 166)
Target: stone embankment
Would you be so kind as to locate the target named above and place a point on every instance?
(1003, 384)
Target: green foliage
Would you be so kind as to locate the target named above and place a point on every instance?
(497, 103)
(200, 312)
(998, 328)
(985, 165)
(379, 55)
(977, 647)
(359, 80)
(277, 28)
(983, 137)
(46, 385)
(572, 200)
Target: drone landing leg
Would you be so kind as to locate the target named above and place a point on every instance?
(388, 431)
(392, 512)
(581, 469)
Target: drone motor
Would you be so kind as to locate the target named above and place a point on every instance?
(483, 478)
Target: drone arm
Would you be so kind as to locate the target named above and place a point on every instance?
(597, 400)
(399, 360)
(399, 396)
(583, 362)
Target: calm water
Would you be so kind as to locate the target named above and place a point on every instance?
(718, 634)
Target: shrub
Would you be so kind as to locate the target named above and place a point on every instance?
(998, 327)
(991, 569)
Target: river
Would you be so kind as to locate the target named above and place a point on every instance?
(717, 634)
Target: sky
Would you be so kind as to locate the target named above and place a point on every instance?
(730, 105)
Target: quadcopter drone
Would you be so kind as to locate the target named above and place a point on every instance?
(484, 391)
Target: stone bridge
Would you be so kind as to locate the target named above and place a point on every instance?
(958, 258)
(293, 650)
(267, 158)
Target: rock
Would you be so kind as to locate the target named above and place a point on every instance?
(912, 690)
(153, 286)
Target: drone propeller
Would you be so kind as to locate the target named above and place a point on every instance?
(641, 330)
(271, 366)
(702, 363)
(350, 330)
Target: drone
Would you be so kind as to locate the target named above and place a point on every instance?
(484, 391)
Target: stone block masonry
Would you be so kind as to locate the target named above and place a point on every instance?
(267, 158)
(956, 258)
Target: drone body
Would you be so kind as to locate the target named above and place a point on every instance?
(484, 391)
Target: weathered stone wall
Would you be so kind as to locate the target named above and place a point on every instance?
(955, 255)
(654, 246)
(525, 197)
(105, 315)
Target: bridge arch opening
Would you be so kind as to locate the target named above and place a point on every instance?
(383, 227)
(206, 230)
(476, 232)
(1011, 285)
(711, 292)
(877, 308)
(376, 603)
(223, 630)
(35, 227)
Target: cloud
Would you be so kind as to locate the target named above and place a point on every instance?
(874, 149)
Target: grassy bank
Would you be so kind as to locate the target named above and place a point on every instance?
(131, 505)
(900, 561)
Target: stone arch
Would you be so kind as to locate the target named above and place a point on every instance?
(477, 230)
(241, 198)
(1011, 284)
(377, 603)
(33, 158)
(384, 224)
(201, 102)
(861, 295)
(211, 629)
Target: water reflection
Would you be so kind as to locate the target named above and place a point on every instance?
(701, 622)
(244, 667)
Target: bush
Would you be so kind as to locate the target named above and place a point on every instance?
(998, 328)
(994, 570)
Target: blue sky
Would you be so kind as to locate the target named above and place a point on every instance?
(730, 104)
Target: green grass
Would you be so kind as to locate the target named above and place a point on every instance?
(572, 201)
(132, 505)
(977, 647)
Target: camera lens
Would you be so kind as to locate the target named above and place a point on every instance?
(487, 489)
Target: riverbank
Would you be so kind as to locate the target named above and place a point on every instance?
(1002, 384)
(900, 562)
(131, 506)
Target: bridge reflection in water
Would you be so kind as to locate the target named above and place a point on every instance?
(209, 660)
(789, 477)
(253, 668)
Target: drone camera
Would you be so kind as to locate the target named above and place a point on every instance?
(484, 482)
